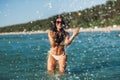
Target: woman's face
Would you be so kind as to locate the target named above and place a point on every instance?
(58, 23)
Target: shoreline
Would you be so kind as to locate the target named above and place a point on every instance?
(96, 29)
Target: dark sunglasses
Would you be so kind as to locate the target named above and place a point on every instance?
(58, 22)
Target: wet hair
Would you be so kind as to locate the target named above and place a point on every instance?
(58, 38)
(53, 23)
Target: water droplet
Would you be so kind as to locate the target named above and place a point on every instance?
(9, 42)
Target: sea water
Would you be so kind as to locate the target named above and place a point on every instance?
(91, 56)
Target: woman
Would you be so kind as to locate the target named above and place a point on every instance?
(58, 38)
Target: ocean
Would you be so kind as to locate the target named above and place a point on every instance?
(91, 56)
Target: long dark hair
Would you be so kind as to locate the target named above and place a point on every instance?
(53, 23)
(58, 39)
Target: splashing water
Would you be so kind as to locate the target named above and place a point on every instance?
(95, 56)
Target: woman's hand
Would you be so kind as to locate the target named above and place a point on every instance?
(76, 31)
(69, 40)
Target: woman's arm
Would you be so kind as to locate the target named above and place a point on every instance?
(51, 36)
(69, 40)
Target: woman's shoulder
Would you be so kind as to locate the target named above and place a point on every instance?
(51, 32)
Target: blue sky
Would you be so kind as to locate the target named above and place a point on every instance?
(22, 11)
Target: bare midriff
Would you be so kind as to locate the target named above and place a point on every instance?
(58, 50)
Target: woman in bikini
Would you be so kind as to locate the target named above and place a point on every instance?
(58, 38)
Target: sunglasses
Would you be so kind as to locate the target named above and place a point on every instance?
(58, 22)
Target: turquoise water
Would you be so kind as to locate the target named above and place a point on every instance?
(91, 56)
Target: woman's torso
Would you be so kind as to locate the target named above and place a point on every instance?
(58, 50)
